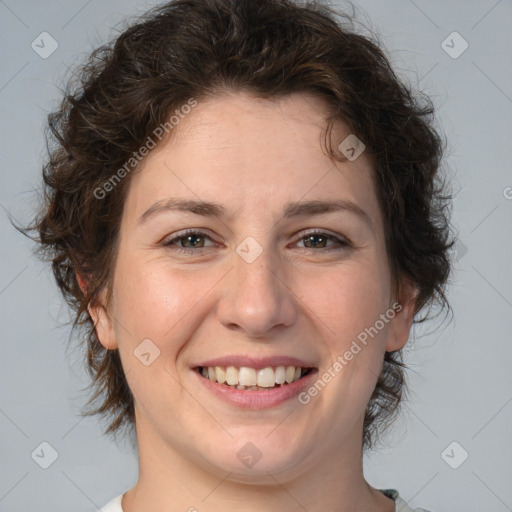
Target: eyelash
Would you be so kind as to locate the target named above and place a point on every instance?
(341, 243)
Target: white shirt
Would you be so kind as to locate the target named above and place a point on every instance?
(400, 504)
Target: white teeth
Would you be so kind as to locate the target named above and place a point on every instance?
(247, 376)
(266, 378)
(290, 373)
(231, 375)
(221, 374)
(280, 375)
(250, 378)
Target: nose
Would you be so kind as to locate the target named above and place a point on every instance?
(256, 297)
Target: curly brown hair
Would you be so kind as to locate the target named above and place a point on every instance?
(197, 49)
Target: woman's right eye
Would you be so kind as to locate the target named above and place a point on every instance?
(187, 241)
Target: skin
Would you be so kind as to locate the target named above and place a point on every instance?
(253, 156)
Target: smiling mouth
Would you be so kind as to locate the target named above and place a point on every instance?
(253, 379)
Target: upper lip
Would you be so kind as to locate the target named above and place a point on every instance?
(256, 362)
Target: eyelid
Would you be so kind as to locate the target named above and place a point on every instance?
(182, 234)
(340, 241)
(319, 231)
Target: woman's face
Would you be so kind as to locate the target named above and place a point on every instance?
(232, 253)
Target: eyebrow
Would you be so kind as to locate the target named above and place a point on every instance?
(295, 209)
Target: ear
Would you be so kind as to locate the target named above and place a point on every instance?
(103, 324)
(400, 325)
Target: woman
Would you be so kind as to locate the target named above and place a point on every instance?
(244, 208)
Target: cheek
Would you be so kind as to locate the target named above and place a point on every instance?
(348, 299)
(349, 304)
(156, 301)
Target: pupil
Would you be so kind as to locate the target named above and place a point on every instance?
(311, 237)
(190, 238)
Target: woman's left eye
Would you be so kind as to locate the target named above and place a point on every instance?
(319, 239)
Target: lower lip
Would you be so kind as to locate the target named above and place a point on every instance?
(257, 399)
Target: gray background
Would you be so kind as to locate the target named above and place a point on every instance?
(460, 378)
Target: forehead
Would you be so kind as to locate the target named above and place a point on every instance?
(246, 152)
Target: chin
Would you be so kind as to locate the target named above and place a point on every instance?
(250, 458)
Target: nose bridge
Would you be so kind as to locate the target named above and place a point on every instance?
(258, 278)
(255, 299)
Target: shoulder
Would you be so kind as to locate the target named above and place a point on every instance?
(401, 505)
(113, 505)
